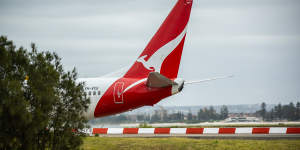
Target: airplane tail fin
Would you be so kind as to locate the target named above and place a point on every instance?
(163, 52)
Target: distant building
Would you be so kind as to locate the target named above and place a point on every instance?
(243, 119)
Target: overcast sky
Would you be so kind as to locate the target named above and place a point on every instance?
(257, 41)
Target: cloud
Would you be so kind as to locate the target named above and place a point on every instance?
(256, 40)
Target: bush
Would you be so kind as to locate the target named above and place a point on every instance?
(40, 103)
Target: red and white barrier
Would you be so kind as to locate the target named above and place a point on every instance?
(265, 130)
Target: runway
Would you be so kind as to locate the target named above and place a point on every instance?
(209, 136)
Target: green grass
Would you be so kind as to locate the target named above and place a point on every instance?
(173, 143)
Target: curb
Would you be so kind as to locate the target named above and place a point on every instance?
(264, 130)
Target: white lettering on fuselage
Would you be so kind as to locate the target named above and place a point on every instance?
(91, 88)
(92, 91)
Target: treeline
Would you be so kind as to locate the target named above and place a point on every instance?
(115, 119)
(161, 115)
(290, 112)
(203, 115)
(211, 115)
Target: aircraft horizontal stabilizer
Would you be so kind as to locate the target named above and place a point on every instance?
(157, 80)
(205, 80)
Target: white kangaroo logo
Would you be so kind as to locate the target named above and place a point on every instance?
(155, 61)
(145, 63)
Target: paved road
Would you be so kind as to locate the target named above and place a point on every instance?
(211, 136)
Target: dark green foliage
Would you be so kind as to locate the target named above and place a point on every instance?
(278, 111)
(263, 110)
(288, 112)
(224, 112)
(190, 115)
(210, 114)
(298, 111)
(43, 111)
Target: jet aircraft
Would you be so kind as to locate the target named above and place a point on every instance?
(152, 76)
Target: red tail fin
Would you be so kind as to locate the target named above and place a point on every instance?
(163, 52)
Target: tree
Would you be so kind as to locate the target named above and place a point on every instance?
(270, 115)
(291, 112)
(43, 111)
(155, 117)
(212, 113)
(203, 114)
(224, 112)
(190, 115)
(278, 111)
(140, 117)
(263, 110)
(179, 116)
(13, 113)
(209, 114)
(298, 110)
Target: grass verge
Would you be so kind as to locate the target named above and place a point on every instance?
(173, 143)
